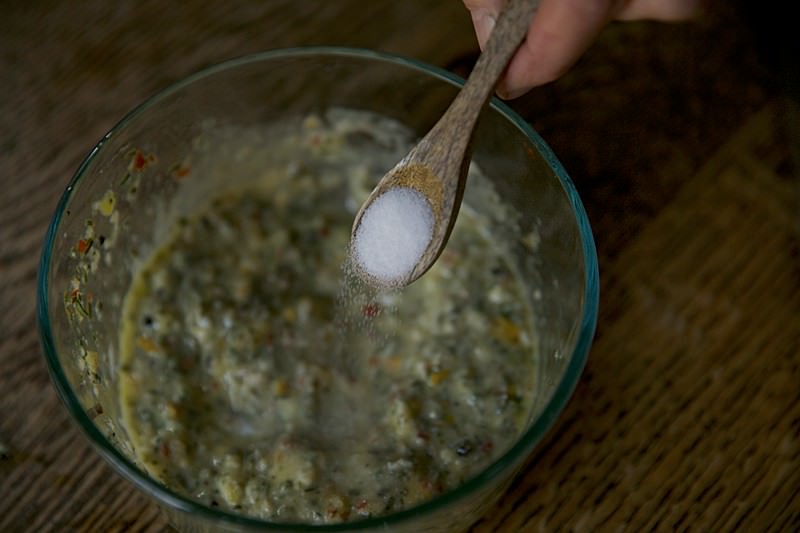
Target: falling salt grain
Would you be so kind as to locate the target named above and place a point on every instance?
(393, 234)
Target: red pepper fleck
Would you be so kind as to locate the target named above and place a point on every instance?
(140, 161)
(423, 435)
(371, 310)
(361, 505)
(83, 245)
(487, 446)
(324, 231)
(181, 171)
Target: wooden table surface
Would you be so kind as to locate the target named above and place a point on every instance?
(680, 139)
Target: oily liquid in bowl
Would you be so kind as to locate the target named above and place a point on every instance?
(259, 375)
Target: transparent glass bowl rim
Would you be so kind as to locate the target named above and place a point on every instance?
(514, 455)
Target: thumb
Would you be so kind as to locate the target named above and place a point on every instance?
(484, 15)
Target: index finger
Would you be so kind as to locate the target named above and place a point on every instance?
(560, 33)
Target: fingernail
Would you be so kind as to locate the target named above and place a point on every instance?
(510, 95)
(484, 24)
(504, 93)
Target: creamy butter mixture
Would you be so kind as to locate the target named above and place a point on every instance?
(257, 376)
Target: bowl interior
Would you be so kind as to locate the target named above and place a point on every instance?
(116, 208)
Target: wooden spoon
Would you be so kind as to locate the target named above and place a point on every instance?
(437, 166)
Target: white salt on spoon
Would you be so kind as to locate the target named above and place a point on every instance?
(395, 231)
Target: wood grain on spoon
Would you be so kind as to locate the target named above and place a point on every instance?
(437, 166)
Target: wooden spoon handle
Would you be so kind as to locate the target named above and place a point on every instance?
(508, 33)
(460, 118)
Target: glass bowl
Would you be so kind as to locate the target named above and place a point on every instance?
(98, 236)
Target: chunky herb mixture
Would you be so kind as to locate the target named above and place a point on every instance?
(258, 377)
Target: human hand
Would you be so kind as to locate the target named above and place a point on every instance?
(563, 30)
